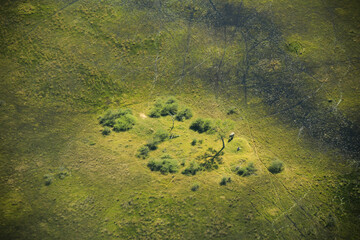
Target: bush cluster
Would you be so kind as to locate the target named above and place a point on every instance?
(192, 168)
(119, 120)
(276, 166)
(225, 180)
(201, 125)
(170, 107)
(245, 171)
(164, 165)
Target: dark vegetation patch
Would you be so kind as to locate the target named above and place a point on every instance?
(245, 170)
(201, 125)
(166, 164)
(195, 187)
(170, 107)
(192, 169)
(210, 159)
(276, 166)
(225, 180)
(120, 120)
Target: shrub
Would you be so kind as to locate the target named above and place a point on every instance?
(106, 131)
(169, 108)
(184, 114)
(152, 144)
(276, 167)
(193, 142)
(111, 115)
(155, 112)
(231, 111)
(225, 180)
(245, 171)
(165, 165)
(48, 179)
(161, 135)
(124, 123)
(143, 152)
(192, 169)
(195, 187)
(201, 125)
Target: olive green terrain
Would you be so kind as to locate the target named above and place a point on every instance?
(289, 70)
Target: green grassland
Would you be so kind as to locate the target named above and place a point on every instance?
(287, 70)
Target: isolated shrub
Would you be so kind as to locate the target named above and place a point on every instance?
(161, 135)
(192, 168)
(106, 131)
(225, 180)
(231, 111)
(201, 125)
(245, 171)
(124, 123)
(195, 187)
(184, 114)
(143, 152)
(193, 142)
(48, 179)
(276, 167)
(164, 165)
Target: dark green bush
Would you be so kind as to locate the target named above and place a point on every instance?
(195, 187)
(193, 142)
(111, 115)
(143, 152)
(184, 114)
(155, 112)
(225, 180)
(124, 123)
(192, 169)
(106, 131)
(152, 144)
(245, 171)
(276, 167)
(161, 135)
(119, 120)
(169, 109)
(201, 125)
(48, 179)
(231, 111)
(165, 165)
